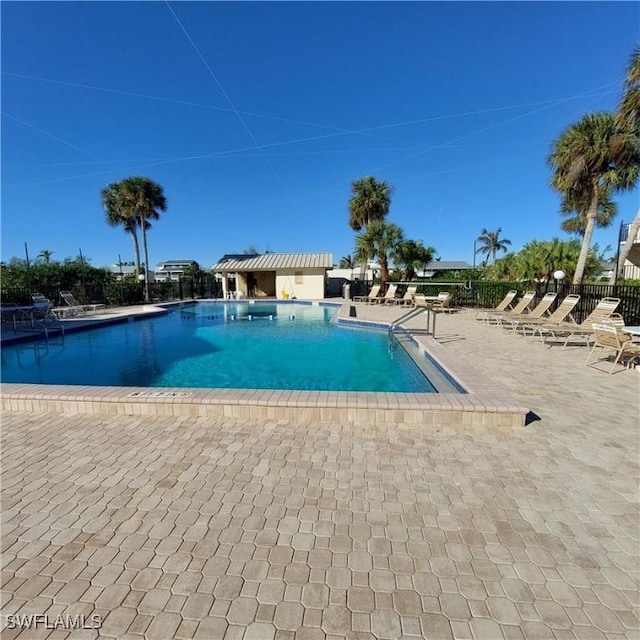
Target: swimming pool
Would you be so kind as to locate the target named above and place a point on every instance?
(222, 346)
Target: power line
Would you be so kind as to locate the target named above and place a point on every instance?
(56, 138)
(590, 93)
(339, 130)
(225, 94)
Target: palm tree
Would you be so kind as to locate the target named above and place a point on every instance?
(379, 240)
(504, 268)
(575, 223)
(147, 200)
(585, 171)
(628, 117)
(45, 256)
(412, 255)
(491, 243)
(118, 215)
(140, 200)
(370, 201)
(628, 114)
(346, 262)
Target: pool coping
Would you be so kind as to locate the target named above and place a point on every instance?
(483, 403)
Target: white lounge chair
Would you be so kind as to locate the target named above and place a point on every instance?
(79, 309)
(408, 298)
(540, 311)
(389, 296)
(505, 305)
(370, 297)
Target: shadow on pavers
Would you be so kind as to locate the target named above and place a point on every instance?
(531, 417)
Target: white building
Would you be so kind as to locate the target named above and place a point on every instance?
(120, 271)
(173, 269)
(274, 275)
(436, 266)
(632, 263)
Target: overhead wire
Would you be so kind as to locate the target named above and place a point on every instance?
(362, 131)
(225, 94)
(590, 93)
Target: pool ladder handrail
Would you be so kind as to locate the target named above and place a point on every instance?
(25, 318)
(397, 323)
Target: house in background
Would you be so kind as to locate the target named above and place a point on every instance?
(274, 275)
(173, 269)
(120, 271)
(437, 266)
(632, 263)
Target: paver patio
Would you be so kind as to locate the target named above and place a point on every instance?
(177, 527)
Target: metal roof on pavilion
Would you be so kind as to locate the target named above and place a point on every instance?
(272, 262)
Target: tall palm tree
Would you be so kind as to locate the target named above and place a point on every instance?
(628, 117)
(45, 256)
(380, 240)
(585, 171)
(133, 203)
(147, 200)
(491, 243)
(575, 223)
(628, 114)
(118, 214)
(370, 201)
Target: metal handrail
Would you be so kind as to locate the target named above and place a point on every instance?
(412, 313)
(28, 319)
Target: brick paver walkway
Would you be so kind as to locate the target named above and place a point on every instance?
(193, 528)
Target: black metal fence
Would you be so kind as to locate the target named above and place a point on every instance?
(119, 293)
(486, 294)
(475, 294)
(489, 294)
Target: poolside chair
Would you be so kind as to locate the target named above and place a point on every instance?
(442, 302)
(604, 310)
(407, 298)
(372, 295)
(519, 309)
(562, 314)
(609, 337)
(505, 305)
(388, 296)
(538, 312)
(435, 303)
(80, 309)
(41, 305)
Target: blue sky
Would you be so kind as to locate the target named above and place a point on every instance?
(256, 117)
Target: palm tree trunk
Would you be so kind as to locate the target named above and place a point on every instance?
(136, 250)
(384, 271)
(586, 240)
(146, 262)
(624, 254)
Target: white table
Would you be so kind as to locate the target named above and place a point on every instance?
(634, 331)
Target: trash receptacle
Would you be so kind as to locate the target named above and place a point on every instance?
(346, 291)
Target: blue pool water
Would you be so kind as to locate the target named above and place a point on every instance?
(216, 345)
